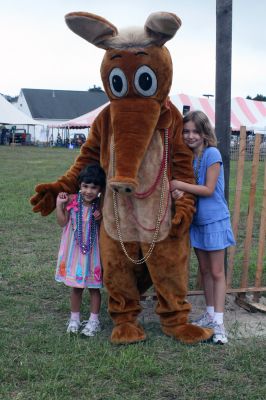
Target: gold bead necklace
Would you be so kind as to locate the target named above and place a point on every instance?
(160, 210)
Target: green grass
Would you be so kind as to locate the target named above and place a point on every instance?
(39, 361)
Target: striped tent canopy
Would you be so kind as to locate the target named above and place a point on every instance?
(249, 113)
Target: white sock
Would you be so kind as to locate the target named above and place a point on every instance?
(210, 310)
(218, 318)
(94, 317)
(75, 316)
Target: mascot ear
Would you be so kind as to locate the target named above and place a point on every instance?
(90, 27)
(162, 26)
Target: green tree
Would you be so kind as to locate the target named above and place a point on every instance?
(259, 97)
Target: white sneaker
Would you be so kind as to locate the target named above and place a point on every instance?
(205, 321)
(73, 326)
(220, 336)
(91, 328)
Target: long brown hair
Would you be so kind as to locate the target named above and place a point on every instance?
(203, 126)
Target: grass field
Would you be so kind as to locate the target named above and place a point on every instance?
(40, 362)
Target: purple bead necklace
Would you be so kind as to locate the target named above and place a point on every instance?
(84, 245)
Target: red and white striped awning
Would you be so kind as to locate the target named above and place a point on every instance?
(248, 113)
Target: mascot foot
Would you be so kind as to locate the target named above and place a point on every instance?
(128, 332)
(188, 333)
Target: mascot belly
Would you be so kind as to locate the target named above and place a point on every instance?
(137, 139)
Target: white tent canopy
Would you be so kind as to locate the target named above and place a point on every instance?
(10, 115)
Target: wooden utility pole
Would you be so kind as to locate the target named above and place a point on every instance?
(223, 83)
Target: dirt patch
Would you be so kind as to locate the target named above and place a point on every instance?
(239, 322)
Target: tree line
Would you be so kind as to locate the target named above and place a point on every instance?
(259, 97)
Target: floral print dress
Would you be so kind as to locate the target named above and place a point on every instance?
(74, 268)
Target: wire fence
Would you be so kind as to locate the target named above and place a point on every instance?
(249, 150)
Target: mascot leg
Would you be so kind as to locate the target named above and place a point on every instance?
(168, 269)
(121, 282)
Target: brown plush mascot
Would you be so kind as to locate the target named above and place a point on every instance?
(137, 139)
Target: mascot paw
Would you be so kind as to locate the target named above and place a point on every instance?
(128, 332)
(188, 333)
(178, 231)
(43, 203)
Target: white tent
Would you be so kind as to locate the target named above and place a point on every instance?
(10, 115)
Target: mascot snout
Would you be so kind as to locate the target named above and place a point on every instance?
(133, 127)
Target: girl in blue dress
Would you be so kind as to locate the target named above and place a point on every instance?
(210, 231)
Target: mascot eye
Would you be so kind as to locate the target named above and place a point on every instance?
(145, 81)
(118, 82)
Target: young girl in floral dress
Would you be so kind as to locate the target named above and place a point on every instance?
(79, 264)
(210, 231)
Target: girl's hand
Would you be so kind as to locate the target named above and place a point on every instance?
(177, 194)
(97, 215)
(176, 190)
(174, 184)
(62, 198)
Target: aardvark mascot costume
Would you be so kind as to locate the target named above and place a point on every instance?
(137, 139)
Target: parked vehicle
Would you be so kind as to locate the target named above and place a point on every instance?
(20, 136)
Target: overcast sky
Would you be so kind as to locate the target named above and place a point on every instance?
(39, 51)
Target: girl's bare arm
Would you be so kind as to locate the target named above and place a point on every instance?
(200, 190)
(62, 215)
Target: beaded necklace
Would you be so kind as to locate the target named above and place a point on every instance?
(148, 192)
(84, 245)
(197, 167)
(160, 211)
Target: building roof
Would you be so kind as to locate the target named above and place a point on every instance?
(62, 104)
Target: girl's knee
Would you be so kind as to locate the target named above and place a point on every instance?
(77, 290)
(95, 292)
(218, 274)
(204, 269)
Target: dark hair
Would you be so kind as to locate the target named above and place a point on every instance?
(92, 173)
(203, 126)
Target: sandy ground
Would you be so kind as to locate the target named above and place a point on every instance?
(239, 322)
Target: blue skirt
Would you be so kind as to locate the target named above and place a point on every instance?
(215, 236)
